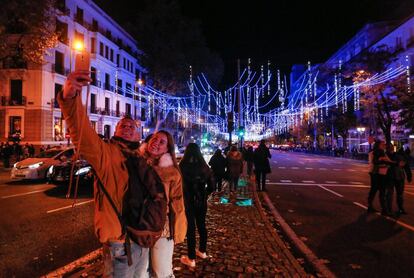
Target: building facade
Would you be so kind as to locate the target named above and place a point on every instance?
(28, 106)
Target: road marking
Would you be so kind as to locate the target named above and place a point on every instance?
(286, 181)
(281, 167)
(331, 182)
(294, 168)
(23, 194)
(322, 169)
(308, 181)
(324, 184)
(309, 168)
(409, 227)
(351, 170)
(331, 191)
(356, 182)
(67, 207)
(337, 169)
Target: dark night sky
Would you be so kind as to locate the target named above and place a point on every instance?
(285, 31)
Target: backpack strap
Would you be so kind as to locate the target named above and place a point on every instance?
(121, 221)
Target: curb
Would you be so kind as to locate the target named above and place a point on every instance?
(74, 266)
(302, 247)
(298, 268)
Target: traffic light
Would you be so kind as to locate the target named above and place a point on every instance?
(241, 131)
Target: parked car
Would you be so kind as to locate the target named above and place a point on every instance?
(37, 167)
(60, 173)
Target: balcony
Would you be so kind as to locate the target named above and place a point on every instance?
(93, 109)
(96, 83)
(79, 19)
(108, 87)
(60, 69)
(8, 101)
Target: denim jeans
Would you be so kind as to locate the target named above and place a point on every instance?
(116, 261)
(161, 258)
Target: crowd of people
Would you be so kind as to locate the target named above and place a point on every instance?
(388, 172)
(14, 151)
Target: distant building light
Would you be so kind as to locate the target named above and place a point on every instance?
(411, 136)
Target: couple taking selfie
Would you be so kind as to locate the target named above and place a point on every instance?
(145, 203)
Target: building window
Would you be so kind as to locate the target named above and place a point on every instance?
(107, 82)
(112, 55)
(62, 31)
(79, 15)
(108, 34)
(93, 103)
(95, 25)
(118, 112)
(58, 88)
(93, 45)
(124, 63)
(15, 127)
(101, 49)
(16, 91)
(93, 124)
(117, 60)
(107, 105)
(107, 131)
(119, 87)
(106, 52)
(59, 66)
(128, 91)
(128, 109)
(93, 77)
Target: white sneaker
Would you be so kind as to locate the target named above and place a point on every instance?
(187, 261)
(201, 255)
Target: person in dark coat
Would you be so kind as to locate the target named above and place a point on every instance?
(234, 167)
(7, 152)
(249, 157)
(407, 167)
(262, 165)
(374, 187)
(198, 183)
(218, 165)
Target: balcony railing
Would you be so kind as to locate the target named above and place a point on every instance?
(93, 109)
(108, 87)
(8, 101)
(96, 83)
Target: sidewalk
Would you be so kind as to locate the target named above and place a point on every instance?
(241, 241)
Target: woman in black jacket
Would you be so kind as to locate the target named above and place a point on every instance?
(198, 184)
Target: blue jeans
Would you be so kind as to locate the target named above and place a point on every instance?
(116, 261)
(161, 258)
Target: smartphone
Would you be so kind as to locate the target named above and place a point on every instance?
(82, 62)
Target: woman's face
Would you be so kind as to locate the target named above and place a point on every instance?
(158, 145)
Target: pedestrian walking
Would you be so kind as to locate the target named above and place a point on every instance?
(399, 175)
(262, 165)
(196, 175)
(407, 167)
(31, 150)
(249, 158)
(373, 177)
(234, 167)
(7, 151)
(160, 154)
(124, 180)
(218, 165)
(381, 166)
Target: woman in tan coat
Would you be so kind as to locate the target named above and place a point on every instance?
(160, 153)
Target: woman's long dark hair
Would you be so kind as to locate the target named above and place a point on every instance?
(193, 154)
(170, 146)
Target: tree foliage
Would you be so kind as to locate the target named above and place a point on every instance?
(27, 31)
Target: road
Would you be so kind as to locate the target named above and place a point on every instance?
(39, 229)
(324, 200)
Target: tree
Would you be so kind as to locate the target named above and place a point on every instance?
(171, 43)
(27, 31)
(379, 101)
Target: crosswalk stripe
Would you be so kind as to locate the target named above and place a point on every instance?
(281, 167)
(286, 181)
(356, 182)
(308, 181)
(351, 170)
(331, 191)
(294, 168)
(333, 182)
(308, 168)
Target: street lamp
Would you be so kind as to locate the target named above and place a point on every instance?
(360, 130)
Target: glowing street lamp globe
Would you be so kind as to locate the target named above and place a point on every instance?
(78, 45)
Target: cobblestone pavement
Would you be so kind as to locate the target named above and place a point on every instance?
(241, 243)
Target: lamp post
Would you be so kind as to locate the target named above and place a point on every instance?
(360, 130)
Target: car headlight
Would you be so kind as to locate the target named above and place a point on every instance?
(83, 170)
(36, 165)
(15, 165)
(50, 171)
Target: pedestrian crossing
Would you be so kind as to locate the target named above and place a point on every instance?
(329, 183)
(321, 169)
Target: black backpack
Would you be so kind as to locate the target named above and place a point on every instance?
(144, 205)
